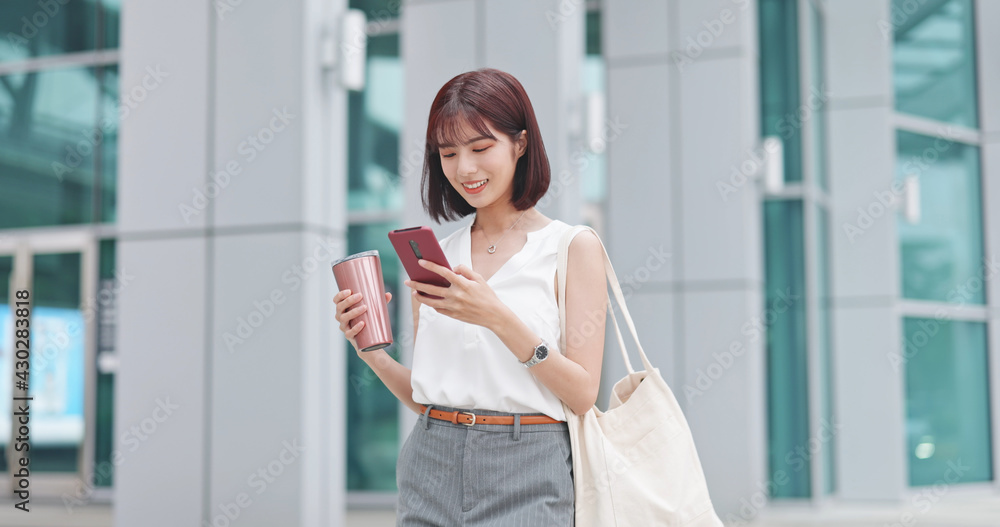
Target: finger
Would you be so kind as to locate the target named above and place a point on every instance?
(355, 330)
(427, 288)
(388, 297)
(342, 294)
(439, 269)
(344, 304)
(350, 315)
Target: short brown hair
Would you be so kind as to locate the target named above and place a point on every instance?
(477, 97)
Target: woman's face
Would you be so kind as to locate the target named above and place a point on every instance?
(484, 161)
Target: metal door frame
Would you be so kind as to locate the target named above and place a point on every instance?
(23, 247)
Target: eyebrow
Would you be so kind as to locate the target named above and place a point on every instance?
(469, 142)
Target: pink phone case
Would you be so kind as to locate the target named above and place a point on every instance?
(414, 243)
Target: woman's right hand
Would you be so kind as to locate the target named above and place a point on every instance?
(344, 301)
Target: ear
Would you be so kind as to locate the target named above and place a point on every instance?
(522, 143)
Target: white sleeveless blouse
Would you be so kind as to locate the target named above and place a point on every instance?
(465, 365)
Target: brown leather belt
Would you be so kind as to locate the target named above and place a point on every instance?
(469, 418)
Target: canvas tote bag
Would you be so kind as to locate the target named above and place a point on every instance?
(636, 464)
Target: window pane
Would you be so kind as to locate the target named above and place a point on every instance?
(6, 376)
(825, 335)
(112, 10)
(107, 318)
(36, 28)
(373, 411)
(107, 161)
(947, 401)
(816, 98)
(942, 254)
(375, 120)
(785, 318)
(779, 79)
(934, 66)
(47, 125)
(378, 11)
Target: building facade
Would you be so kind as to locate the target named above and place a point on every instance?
(794, 194)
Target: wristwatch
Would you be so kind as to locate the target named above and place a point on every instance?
(541, 352)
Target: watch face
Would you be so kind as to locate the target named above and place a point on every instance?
(541, 352)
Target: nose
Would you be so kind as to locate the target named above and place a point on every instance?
(466, 165)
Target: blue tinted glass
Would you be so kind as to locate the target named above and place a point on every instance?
(934, 63)
(942, 253)
(785, 320)
(817, 98)
(947, 401)
(372, 410)
(779, 80)
(36, 28)
(375, 119)
(47, 144)
(111, 22)
(107, 161)
(825, 345)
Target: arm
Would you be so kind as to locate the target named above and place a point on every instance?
(395, 376)
(574, 375)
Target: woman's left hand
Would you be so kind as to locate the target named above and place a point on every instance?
(469, 299)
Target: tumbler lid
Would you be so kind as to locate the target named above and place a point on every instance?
(373, 252)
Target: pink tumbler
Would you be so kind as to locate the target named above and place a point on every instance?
(362, 273)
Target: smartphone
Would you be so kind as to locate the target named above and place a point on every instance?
(419, 243)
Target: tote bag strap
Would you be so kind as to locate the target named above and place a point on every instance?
(609, 271)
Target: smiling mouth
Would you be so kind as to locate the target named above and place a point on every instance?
(475, 185)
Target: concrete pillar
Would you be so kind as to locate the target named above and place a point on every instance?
(231, 209)
(868, 390)
(682, 75)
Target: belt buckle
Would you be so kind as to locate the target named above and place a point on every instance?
(473, 418)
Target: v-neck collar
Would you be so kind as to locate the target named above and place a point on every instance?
(515, 262)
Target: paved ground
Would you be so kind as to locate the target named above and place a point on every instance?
(947, 511)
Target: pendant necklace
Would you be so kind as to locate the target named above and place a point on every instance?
(493, 248)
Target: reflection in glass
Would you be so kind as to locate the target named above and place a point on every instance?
(372, 410)
(375, 120)
(107, 159)
(817, 103)
(947, 401)
(779, 80)
(787, 347)
(56, 381)
(934, 64)
(33, 28)
(942, 254)
(47, 138)
(6, 357)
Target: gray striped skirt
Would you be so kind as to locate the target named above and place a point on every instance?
(485, 475)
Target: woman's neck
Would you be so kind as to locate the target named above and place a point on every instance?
(494, 222)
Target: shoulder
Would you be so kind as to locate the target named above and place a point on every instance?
(586, 253)
(585, 245)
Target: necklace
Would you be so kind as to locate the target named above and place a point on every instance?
(493, 248)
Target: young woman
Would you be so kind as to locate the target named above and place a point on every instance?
(491, 446)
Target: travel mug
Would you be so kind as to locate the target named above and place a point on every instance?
(362, 273)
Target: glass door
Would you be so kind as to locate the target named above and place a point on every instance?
(57, 274)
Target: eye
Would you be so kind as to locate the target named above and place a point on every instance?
(474, 150)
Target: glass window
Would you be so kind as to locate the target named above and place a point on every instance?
(378, 10)
(825, 343)
(942, 253)
(6, 376)
(785, 320)
(934, 64)
(817, 97)
(107, 318)
(38, 28)
(107, 157)
(47, 138)
(373, 411)
(947, 401)
(111, 22)
(779, 78)
(375, 117)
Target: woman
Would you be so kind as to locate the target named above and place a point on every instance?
(491, 446)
